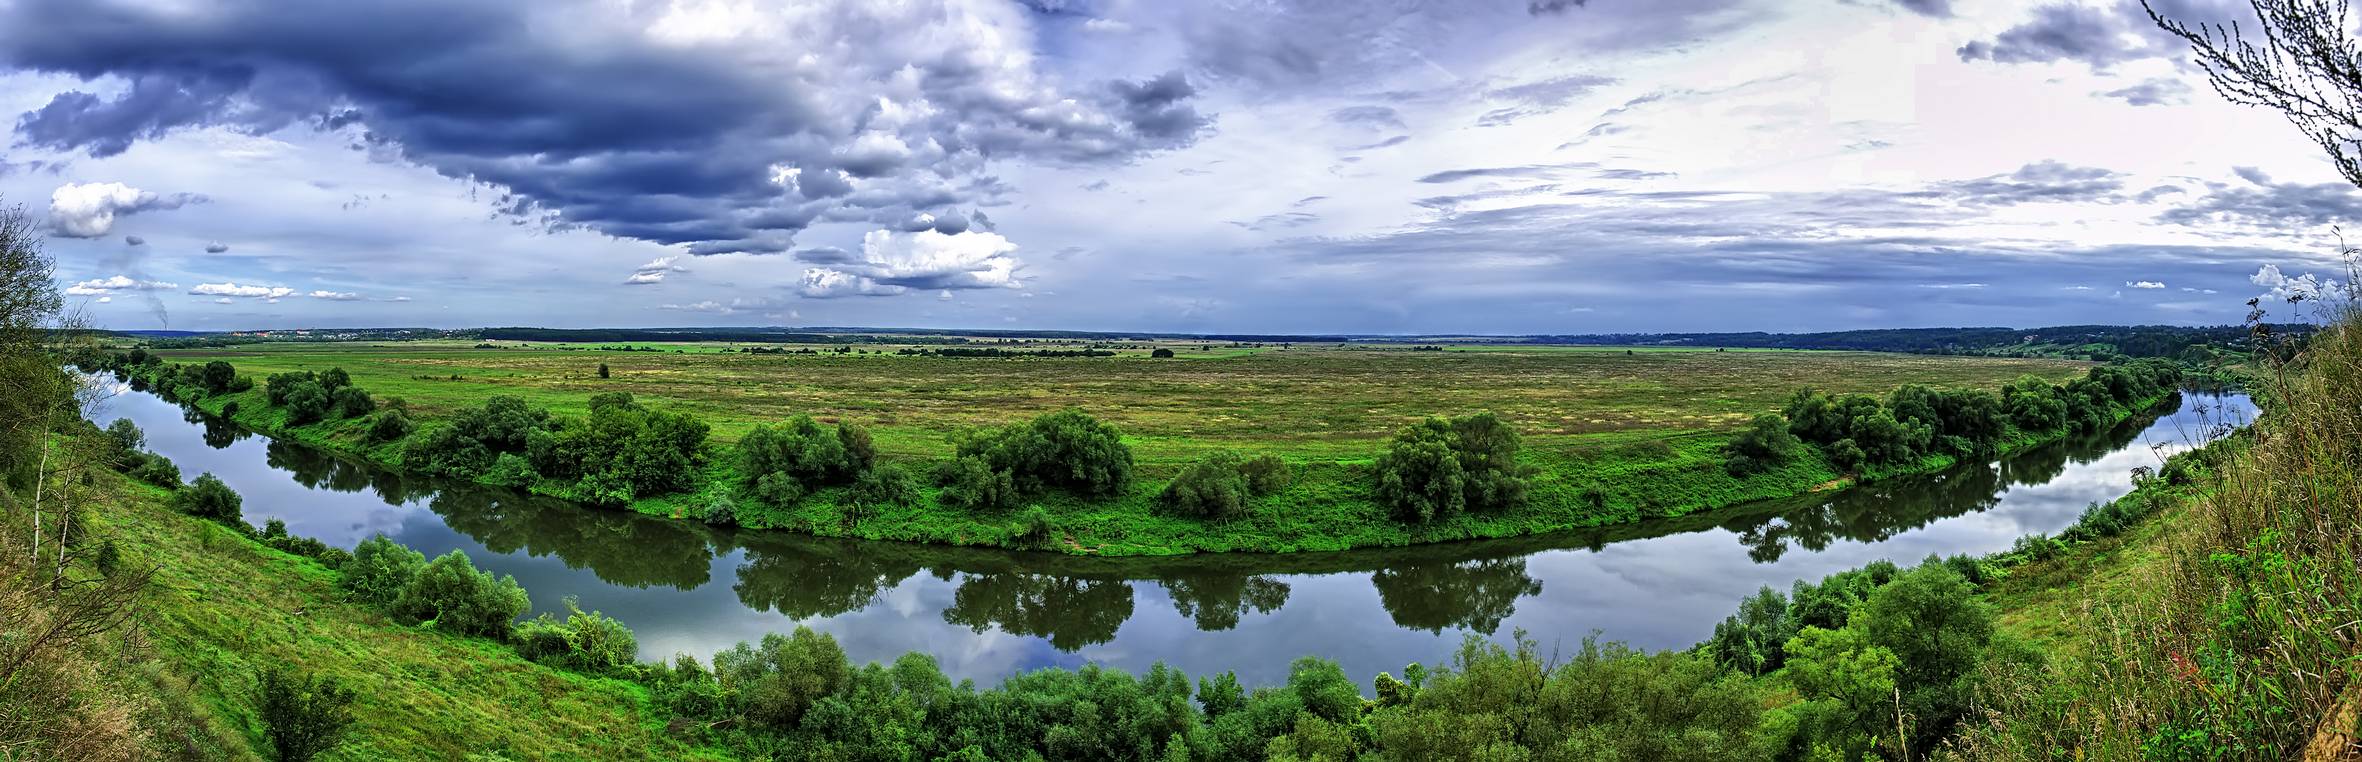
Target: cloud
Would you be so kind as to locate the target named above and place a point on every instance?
(132, 240)
(116, 284)
(654, 271)
(216, 247)
(2099, 36)
(2042, 181)
(2285, 288)
(773, 307)
(2259, 203)
(227, 290)
(1539, 97)
(1929, 8)
(891, 262)
(89, 210)
(335, 296)
(1374, 117)
(672, 123)
(2143, 284)
(2155, 91)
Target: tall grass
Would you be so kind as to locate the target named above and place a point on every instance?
(2244, 639)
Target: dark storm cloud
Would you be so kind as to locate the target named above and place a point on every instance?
(216, 248)
(599, 125)
(2100, 36)
(2159, 91)
(2261, 203)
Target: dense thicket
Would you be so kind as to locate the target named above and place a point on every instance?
(781, 464)
(1067, 449)
(1219, 485)
(1860, 433)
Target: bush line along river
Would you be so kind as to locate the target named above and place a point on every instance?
(987, 613)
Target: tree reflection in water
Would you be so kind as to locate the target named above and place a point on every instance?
(1474, 595)
(1216, 601)
(1071, 612)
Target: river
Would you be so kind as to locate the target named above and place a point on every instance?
(985, 614)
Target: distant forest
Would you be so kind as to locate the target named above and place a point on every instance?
(2097, 342)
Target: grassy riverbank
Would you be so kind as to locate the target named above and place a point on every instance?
(1643, 468)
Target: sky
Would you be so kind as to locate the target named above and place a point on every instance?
(1238, 166)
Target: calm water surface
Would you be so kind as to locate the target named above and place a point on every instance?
(985, 614)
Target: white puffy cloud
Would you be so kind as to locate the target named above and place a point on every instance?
(335, 296)
(103, 286)
(227, 290)
(893, 262)
(826, 283)
(2284, 288)
(89, 210)
(654, 271)
(2143, 284)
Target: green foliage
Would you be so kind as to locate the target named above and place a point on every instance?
(124, 440)
(887, 485)
(389, 426)
(780, 465)
(1765, 444)
(351, 402)
(1219, 485)
(452, 594)
(334, 379)
(302, 717)
(208, 498)
(157, 470)
(379, 571)
(970, 483)
(1437, 468)
(307, 402)
(217, 376)
(621, 452)
(588, 642)
(1067, 449)
(777, 682)
(279, 385)
(1161, 353)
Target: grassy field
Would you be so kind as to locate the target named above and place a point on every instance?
(1302, 403)
(1615, 436)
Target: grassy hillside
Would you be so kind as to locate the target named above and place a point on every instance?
(177, 680)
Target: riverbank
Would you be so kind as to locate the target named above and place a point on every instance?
(1330, 506)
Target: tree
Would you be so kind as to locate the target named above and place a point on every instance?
(125, 439)
(351, 402)
(1437, 468)
(302, 717)
(781, 464)
(450, 592)
(217, 376)
(307, 402)
(208, 498)
(1219, 485)
(380, 570)
(389, 426)
(602, 370)
(1067, 449)
(333, 379)
(1764, 445)
(1161, 353)
(780, 680)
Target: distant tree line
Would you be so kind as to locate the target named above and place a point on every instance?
(2083, 342)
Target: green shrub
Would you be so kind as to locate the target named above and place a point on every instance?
(780, 465)
(1219, 485)
(306, 403)
(124, 440)
(1765, 444)
(380, 570)
(510, 470)
(590, 642)
(1036, 527)
(389, 426)
(302, 717)
(886, 485)
(452, 594)
(779, 681)
(1067, 449)
(351, 402)
(972, 484)
(157, 470)
(1437, 468)
(208, 498)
